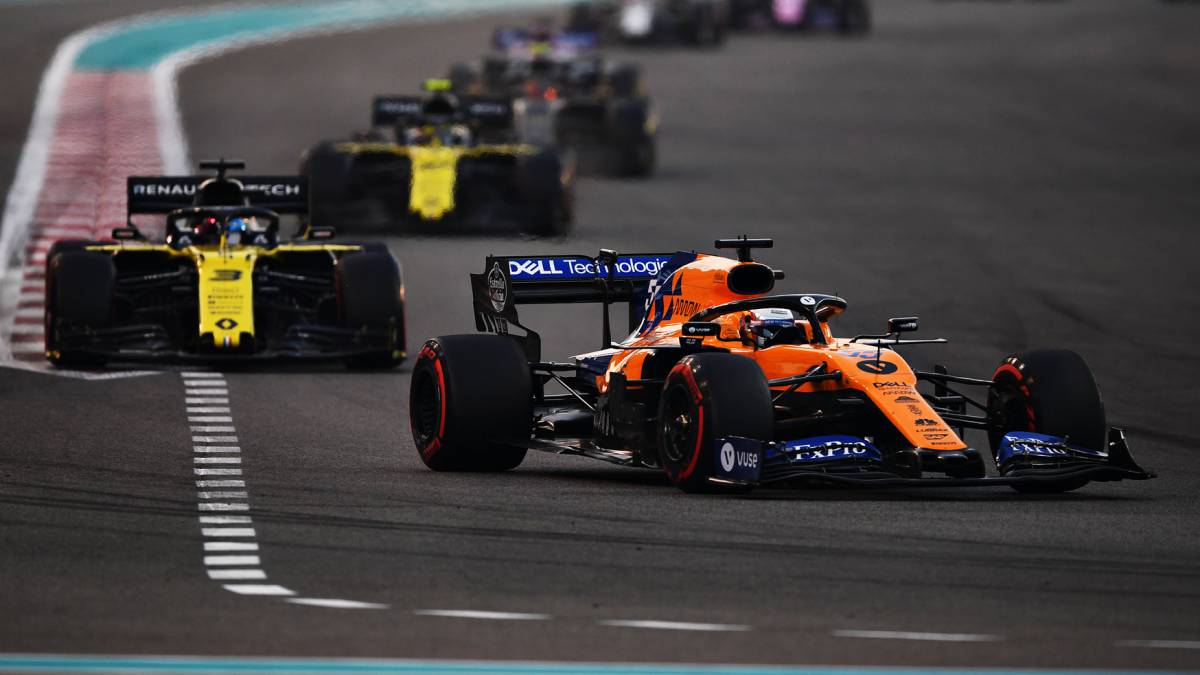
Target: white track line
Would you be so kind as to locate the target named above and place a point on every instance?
(333, 603)
(676, 625)
(479, 614)
(228, 532)
(1160, 644)
(225, 546)
(259, 589)
(237, 575)
(910, 635)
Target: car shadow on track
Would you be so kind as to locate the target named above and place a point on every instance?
(821, 493)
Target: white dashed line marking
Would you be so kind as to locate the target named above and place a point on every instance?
(221, 506)
(224, 520)
(476, 614)
(228, 532)
(225, 546)
(334, 603)
(225, 494)
(236, 556)
(231, 560)
(237, 575)
(1160, 644)
(677, 625)
(220, 483)
(258, 589)
(909, 635)
(218, 472)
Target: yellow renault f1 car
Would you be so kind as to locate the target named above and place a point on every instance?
(222, 284)
(441, 162)
(724, 386)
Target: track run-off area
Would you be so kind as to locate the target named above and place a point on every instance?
(1018, 174)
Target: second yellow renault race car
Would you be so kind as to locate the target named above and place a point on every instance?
(442, 162)
(222, 284)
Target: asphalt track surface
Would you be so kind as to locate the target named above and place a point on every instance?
(1019, 175)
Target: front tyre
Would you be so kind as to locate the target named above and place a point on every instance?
(1050, 392)
(706, 397)
(370, 293)
(79, 298)
(471, 403)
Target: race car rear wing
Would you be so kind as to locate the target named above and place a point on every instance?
(163, 194)
(488, 112)
(508, 281)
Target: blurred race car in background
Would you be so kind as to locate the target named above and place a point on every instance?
(567, 95)
(222, 285)
(724, 387)
(844, 16)
(698, 22)
(441, 159)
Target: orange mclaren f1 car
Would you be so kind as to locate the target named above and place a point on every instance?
(725, 387)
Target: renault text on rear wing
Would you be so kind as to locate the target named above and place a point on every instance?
(163, 194)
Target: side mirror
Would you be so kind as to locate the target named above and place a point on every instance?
(126, 233)
(321, 233)
(903, 324)
(607, 256)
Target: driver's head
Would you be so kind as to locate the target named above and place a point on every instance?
(775, 325)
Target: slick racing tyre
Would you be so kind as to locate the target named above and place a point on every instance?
(634, 145)
(1049, 392)
(328, 172)
(547, 192)
(706, 29)
(706, 397)
(370, 293)
(471, 393)
(464, 79)
(79, 296)
(854, 17)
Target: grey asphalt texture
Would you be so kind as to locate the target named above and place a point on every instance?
(1019, 175)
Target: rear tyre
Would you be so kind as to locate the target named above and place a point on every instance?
(635, 146)
(547, 194)
(469, 394)
(1049, 392)
(79, 296)
(371, 296)
(464, 79)
(328, 172)
(706, 30)
(706, 397)
(854, 17)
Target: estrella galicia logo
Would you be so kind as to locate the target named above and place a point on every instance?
(877, 367)
(226, 275)
(497, 288)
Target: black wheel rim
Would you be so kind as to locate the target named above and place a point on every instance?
(679, 425)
